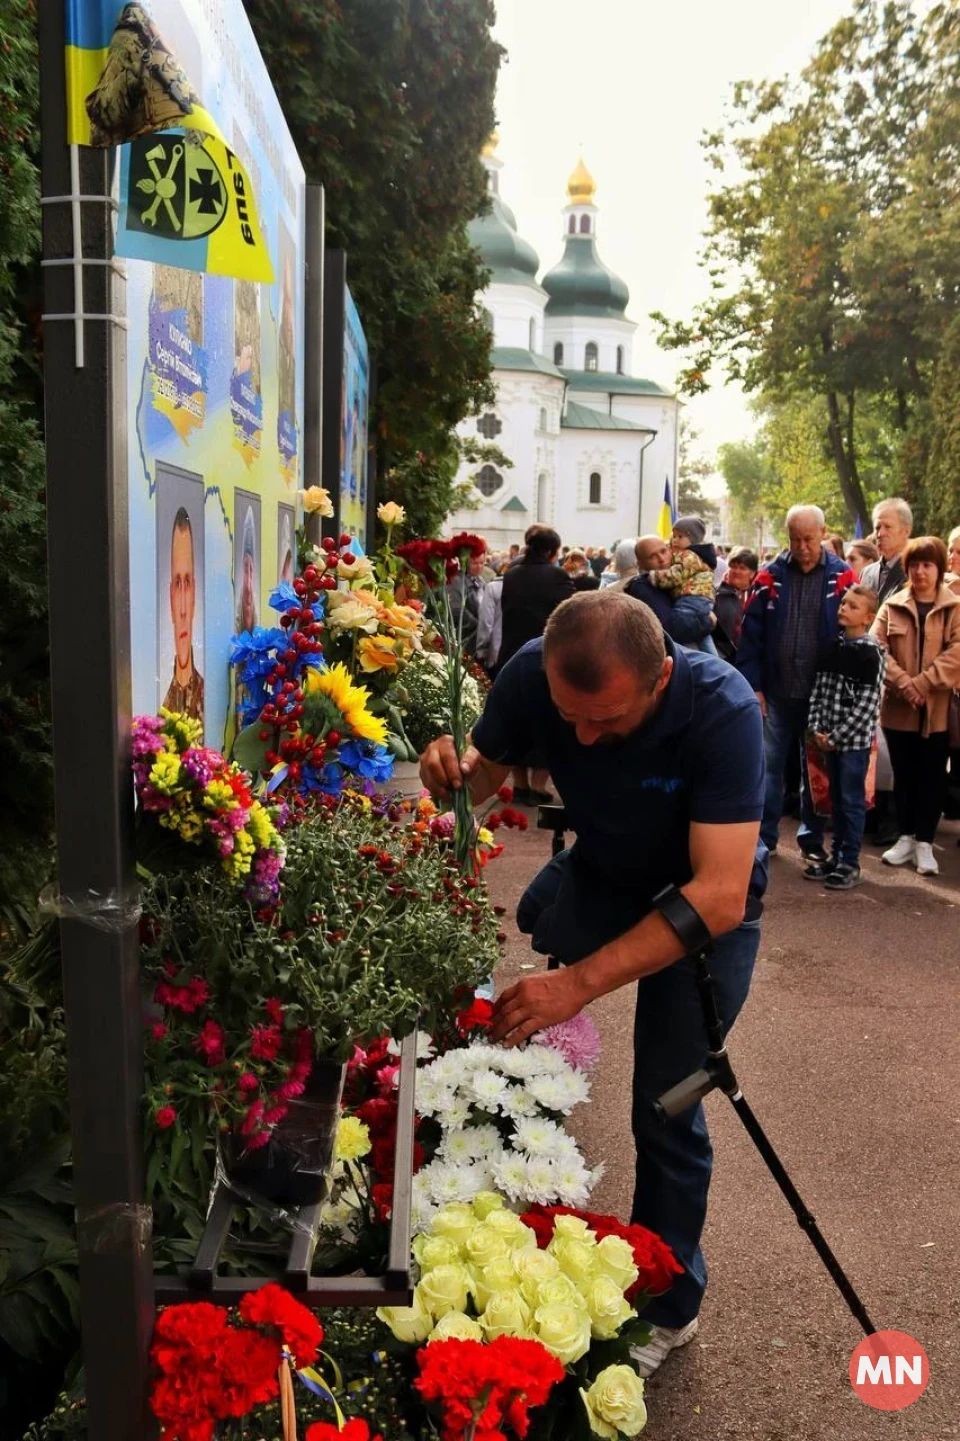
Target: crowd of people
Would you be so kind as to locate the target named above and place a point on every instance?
(852, 648)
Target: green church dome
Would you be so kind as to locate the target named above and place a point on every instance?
(580, 284)
(510, 258)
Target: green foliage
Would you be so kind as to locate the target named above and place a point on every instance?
(832, 242)
(942, 488)
(26, 781)
(389, 106)
(693, 470)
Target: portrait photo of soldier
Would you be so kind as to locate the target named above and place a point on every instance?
(180, 570)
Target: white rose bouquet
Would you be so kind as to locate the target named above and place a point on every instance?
(482, 1276)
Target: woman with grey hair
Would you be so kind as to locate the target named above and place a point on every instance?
(622, 568)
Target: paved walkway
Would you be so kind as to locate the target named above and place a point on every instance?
(849, 1052)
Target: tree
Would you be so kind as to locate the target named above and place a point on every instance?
(390, 105)
(824, 284)
(943, 474)
(692, 470)
(26, 776)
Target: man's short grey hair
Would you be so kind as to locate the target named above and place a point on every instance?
(806, 512)
(897, 503)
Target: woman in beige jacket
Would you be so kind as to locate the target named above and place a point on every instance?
(919, 628)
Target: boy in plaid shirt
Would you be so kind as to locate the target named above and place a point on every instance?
(842, 722)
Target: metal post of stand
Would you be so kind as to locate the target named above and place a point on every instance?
(85, 397)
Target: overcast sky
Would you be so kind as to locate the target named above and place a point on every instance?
(631, 85)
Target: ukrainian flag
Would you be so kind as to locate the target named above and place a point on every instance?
(667, 513)
(89, 30)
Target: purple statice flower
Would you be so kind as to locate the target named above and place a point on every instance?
(576, 1040)
(201, 764)
(147, 735)
(263, 885)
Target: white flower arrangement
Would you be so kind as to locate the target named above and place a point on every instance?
(499, 1113)
(422, 694)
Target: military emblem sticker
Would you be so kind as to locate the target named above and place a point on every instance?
(176, 189)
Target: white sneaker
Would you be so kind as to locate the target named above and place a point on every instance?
(926, 860)
(651, 1357)
(904, 850)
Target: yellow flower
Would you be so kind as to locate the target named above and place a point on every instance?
(165, 772)
(352, 610)
(615, 1404)
(351, 700)
(377, 652)
(316, 501)
(402, 618)
(358, 569)
(564, 1330)
(353, 1139)
(455, 1325)
(391, 514)
(411, 1324)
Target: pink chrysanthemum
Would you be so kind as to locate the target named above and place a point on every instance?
(577, 1041)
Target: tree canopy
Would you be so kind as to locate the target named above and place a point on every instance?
(390, 105)
(831, 247)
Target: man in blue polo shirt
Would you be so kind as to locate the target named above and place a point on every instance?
(657, 754)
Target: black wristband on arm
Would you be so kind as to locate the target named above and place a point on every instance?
(684, 918)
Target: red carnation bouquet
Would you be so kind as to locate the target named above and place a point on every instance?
(484, 1390)
(653, 1257)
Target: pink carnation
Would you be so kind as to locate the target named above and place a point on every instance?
(576, 1040)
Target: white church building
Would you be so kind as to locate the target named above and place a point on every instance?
(592, 445)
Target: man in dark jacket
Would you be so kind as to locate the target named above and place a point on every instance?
(892, 522)
(653, 554)
(732, 593)
(791, 617)
(532, 590)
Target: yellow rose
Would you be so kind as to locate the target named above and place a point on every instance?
(577, 1259)
(533, 1268)
(615, 1259)
(484, 1201)
(482, 1246)
(433, 1251)
(574, 1227)
(352, 610)
(499, 1275)
(444, 1289)
(377, 652)
(353, 1139)
(456, 1326)
(455, 1221)
(505, 1314)
(559, 1291)
(401, 617)
(564, 1330)
(511, 1228)
(607, 1307)
(411, 1324)
(615, 1404)
(359, 568)
(391, 514)
(316, 501)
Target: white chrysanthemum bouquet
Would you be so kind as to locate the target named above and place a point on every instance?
(498, 1118)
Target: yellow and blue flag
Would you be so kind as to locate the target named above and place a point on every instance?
(185, 198)
(667, 513)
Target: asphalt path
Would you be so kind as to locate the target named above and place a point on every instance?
(848, 1050)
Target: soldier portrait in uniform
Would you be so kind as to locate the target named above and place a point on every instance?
(180, 590)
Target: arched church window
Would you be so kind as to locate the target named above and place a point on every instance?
(619, 359)
(532, 330)
(572, 226)
(542, 506)
(543, 418)
(591, 356)
(584, 224)
(489, 426)
(558, 353)
(489, 480)
(596, 488)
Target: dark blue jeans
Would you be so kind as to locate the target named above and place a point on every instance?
(848, 798)
(785, 729)
(674, 1158)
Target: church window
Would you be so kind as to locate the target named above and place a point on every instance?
(619, 359)
(489, 426)
(596, 488)
(572, 226)
(584, 224)
(543, 418)
(558, 353)
(532, 334)
(542, 505)
(489, 480)
(591, 356)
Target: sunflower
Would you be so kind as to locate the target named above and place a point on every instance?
(335, 685)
